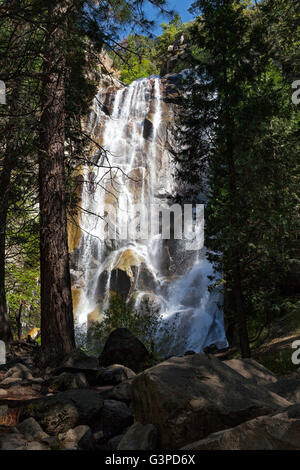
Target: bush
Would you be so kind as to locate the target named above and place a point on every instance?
(147, 325)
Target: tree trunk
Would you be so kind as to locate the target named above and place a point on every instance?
(19, 320)
(57, 326)
(5, 331)
(234, 249)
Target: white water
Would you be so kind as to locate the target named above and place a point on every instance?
(142, 172)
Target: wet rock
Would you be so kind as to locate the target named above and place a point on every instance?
(114, 375)
(122, 347)
(189, 353)
(31, 430)
(3, 393)
(66, 410)
(280, 431)
(139, 437)
(189, 397)
(148, 129)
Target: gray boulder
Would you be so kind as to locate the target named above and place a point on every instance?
(68, 381)
(122, 347)
(71, 438)
(286, 387)
(139, 437)
(280, 431)
(252, 370)
(12, 441)
(187, 398)
(66, 410)
(78, 361)
(115, 417)
(114, 375)
(31, 430)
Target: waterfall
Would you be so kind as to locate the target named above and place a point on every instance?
(136, 168)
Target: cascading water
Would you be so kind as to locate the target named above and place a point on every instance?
(137, 169)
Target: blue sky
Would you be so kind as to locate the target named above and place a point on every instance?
(180, 6)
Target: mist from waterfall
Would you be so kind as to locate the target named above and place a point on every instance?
(137, 168)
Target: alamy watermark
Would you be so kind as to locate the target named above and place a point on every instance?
(2, 92)
(2, 352)
(296, 354)
(296, 94)
(156, 221)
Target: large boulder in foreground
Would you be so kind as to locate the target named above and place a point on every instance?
(187, 398)
(280, 431)
(122, 347)
(252, 370)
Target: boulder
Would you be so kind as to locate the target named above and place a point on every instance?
(252, 370)
(114, 442)
(280, 431)
(78, 361)
(11, 381)
(187, 398)
(87, 442)
(31, 430)
(286, 387)
(34, 446)
(68, 381)
(122, 347)
(115, 417)
(66, 410)
(12, 441)
(19, 371)
(122, 392)
(8, 365)
(72, 438)
(139, 437)
(114, 375)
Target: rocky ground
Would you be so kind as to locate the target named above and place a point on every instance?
(195, 402)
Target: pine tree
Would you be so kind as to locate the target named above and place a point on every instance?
(239, 108)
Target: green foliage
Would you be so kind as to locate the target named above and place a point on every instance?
(22, 283)
(146, 324)
(137, 60)
(278, 361)
(240, 140)
(168, 37)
